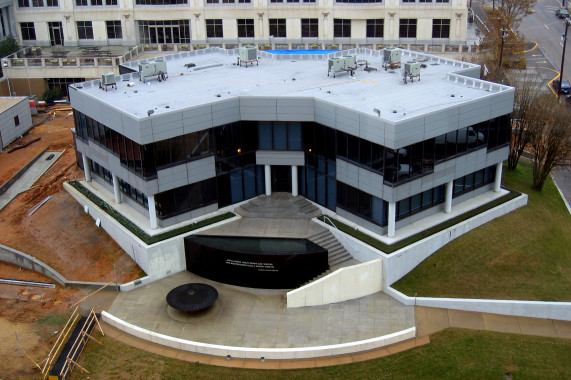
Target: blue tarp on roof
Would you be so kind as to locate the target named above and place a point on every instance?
(302, 51)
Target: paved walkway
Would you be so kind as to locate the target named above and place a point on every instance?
(29, 177)
(260, 319)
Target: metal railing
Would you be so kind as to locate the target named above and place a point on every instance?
(341, 233)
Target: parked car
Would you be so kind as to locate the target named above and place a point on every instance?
(562, 13)
(565, 86)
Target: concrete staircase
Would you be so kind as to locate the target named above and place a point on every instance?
(338, 255)
(278, 206)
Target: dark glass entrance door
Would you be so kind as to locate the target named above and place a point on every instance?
(281, 179)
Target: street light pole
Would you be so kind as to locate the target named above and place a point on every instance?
(563, 58)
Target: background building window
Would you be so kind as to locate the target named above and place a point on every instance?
(375, 28)
(81, 3)
(38, 3)
(164, 32)
(84, 30)
(16, 121)
(407, 28)
(160, 2)
(245, 27)
(114, 29)
(309, 27)
(341, 28)
(440, 28)
(278, 27)
(214, 28)
(28, 31)
(24, 3)
(53, 3)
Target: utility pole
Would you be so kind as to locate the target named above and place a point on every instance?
(504, 35)
(563, 58)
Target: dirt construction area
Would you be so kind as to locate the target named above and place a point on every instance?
(59, 234)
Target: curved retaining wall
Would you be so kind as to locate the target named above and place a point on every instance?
(256, 353)
(21, 259)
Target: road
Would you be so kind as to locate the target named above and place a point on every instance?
(546, 29)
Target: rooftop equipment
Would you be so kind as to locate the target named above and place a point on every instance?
(156, 68)
(391, 57)
(411, 71)
(347, 63)
(248, 54)
(108, 79)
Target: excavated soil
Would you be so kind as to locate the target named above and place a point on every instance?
(59, 234)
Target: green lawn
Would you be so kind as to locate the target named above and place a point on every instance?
(451, 354)
(523, 255)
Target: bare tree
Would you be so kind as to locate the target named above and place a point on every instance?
(551, 139)
(502, 41)
(525, 114)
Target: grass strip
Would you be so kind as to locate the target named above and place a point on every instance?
(390, 248)
(128, 224)
(451, 354)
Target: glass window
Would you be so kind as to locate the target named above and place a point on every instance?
(277, 27)
(365, 153)
(407, 28)
(415, 202)
(294, 136)
(37, 3)
(375, 28)
(245, 27)
(164, 32)
(28, 31)
(265, 135)
(214, 29)
(309, 27)
(81, 3)
(114, 30)
(52, 3)
(341, 28)
(440, 28)
(24, 3)
(84, 30)
(280, 135)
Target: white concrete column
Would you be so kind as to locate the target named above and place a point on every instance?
(116, 190)
(498, 180)
(294, 185)
(152, 212)
(448, 197)
(86, 168)
(268, 175)
(392, 219)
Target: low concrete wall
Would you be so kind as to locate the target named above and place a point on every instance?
(21, 259)
(158, 260)
(256, 353)
(344, 284)
(532, 309)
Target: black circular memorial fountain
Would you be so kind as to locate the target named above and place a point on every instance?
(191, 301)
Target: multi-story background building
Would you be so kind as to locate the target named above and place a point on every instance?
(229, 23)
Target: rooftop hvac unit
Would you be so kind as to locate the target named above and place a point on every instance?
(412, 68)
(153, 68)
(411, 71)
(248, 54)
(391, 58)
(108, 79)
(339, 64)
(350, 61)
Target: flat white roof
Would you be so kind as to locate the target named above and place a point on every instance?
(216, 76)
(7, 102)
